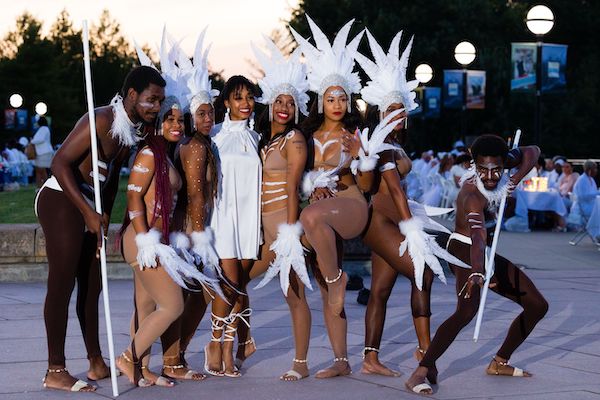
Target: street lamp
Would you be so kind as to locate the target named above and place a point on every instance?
(540, 21)
(15, 100)
(41, 108)
(464, 54)
(423, 73)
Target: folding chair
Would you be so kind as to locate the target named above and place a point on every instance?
(582, 232)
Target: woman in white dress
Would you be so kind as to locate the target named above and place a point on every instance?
(43, 151)
(236, 214)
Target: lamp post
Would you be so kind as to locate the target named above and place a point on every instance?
(15, 100)
(41, 108)
(464, 54)
(540, 21)
(423, 73)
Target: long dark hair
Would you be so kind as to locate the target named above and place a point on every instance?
(233, 85)
(263, 127)
(311, 124)
(163, 197)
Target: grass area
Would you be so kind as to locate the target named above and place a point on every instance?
(17, 207)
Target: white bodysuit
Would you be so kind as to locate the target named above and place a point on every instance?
(235, 219)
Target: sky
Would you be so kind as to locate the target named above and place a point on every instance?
(232, 24)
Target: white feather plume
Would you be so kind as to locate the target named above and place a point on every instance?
(330, 65)
(282, 76)
(289, 254)
(200, 89)
(388, 82)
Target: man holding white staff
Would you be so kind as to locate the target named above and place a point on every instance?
(72, 227)
(480, 195)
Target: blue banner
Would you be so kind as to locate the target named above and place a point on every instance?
(432, 102)
(453, 88)
(554, 65)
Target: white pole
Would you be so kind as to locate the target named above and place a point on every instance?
(489, 260)
(98, 203)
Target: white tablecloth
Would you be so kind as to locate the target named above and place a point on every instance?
(593, 225)
(539, 201)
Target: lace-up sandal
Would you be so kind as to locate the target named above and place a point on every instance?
(504, 368)
(292, 375)
(78, 386)
(137, 377)
(217, 324)
(229, 336)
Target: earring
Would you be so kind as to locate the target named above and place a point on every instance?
(251, 122)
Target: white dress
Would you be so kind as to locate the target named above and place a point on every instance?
(235, 219)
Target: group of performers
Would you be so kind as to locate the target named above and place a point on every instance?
(209, 211)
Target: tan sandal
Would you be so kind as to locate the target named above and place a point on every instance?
(496, 368)
(76, 387)
(190, 374)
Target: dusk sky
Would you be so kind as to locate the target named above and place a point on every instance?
(232, 24)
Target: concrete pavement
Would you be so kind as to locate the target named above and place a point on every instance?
(563, 352)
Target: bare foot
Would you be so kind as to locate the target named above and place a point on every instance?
(336, 292)
(182, 372)
(213, 354)
(500, 366)
(155, 379)
(98, 369)
(229, 368)
(372, 365)
(339, 368)
(60, 379)
(298, 371)
(416, 382)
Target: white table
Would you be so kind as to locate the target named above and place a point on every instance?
(593, 225)
(539, 201)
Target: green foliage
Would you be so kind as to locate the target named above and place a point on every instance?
(568, 120)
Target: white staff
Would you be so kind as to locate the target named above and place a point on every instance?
(489, 261)
(98, 203)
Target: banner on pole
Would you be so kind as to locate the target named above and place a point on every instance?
(432, 102)
(523, 60)
(476, 90)
(453, 88)
(554, 65)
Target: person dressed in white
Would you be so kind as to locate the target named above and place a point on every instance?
(585, 189)
(43, 151)
(555, 173)
(236, 215)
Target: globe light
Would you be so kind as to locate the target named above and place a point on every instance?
(464, 53)
(15, 100)
(423, 73)
(41, 108)
(540, 20)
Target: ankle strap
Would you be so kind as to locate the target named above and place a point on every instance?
(217, 324)
(369, 349)
(241, 315)
(334, 280)
(57, 370)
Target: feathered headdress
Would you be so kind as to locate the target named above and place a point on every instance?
(388, 82)
(176, 89)
(282, 77)
(330, 65)
(198, 80)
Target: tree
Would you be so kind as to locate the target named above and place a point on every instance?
(568, 120)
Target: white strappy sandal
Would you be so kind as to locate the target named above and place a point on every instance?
(77, 386)
(293, 372)
(215, 326)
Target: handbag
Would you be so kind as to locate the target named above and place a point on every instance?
(30, 151)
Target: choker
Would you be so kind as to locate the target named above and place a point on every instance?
(495, 196)
(122, 129)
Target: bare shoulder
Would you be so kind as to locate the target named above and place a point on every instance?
(104, 119)
(469, 198)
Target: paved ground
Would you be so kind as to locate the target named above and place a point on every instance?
(563, 352)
